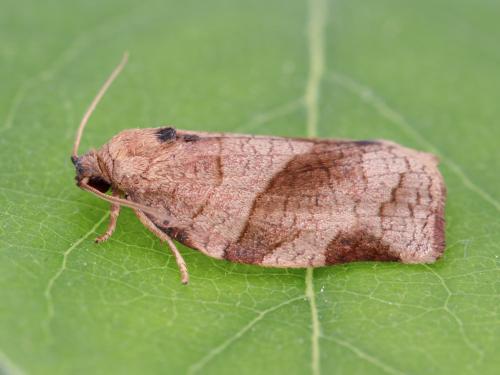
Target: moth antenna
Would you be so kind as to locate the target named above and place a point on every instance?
(150, 210)
(96, 101)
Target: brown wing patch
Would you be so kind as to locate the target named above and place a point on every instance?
(305, 175)
(166, 134)
(357, 246)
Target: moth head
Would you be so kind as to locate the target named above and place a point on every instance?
(88, 170)
(90, 175)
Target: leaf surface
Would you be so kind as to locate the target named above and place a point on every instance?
(423, 74)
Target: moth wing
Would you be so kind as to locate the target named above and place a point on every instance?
(295, 203)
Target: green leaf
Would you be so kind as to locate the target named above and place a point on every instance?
(424, 74)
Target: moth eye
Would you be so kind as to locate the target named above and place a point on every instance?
(99, 184)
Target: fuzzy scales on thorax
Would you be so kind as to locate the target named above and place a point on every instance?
(284, 202)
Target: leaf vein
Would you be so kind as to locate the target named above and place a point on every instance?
(50, 285)
(315, 28)
(198, 365)
(365, 356)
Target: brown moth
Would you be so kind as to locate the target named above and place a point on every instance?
(271, 201)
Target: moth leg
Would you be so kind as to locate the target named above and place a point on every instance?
(164, 237)
(113, 218)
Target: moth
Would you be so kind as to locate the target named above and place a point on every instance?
(270, 201)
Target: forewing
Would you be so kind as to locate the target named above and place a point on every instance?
(295, 203)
